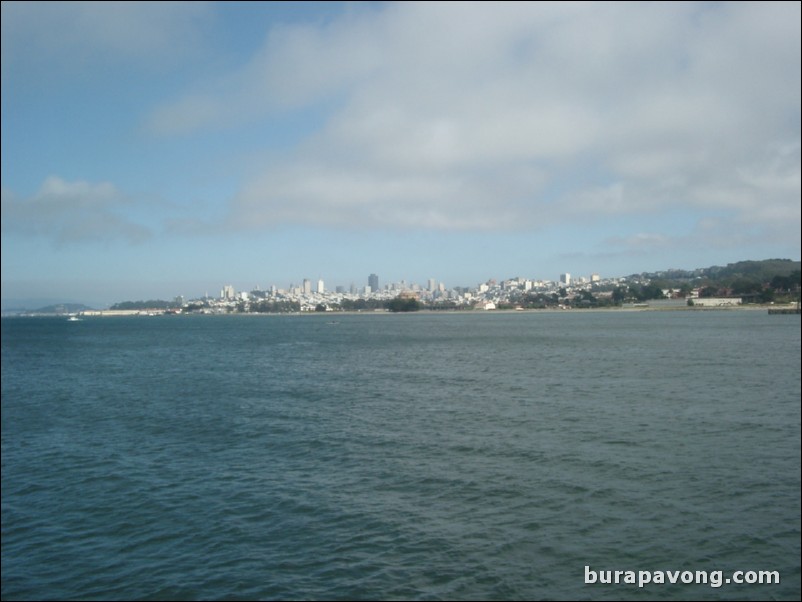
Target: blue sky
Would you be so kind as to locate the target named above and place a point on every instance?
(157, 149)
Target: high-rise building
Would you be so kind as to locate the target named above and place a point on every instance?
(595, 278)
(307, 288)
(320, 287)
(373, 282)
(565, 279)
(432, 285)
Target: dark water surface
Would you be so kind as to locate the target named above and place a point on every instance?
(467, 456)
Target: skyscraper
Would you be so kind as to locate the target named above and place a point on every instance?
(373, 282)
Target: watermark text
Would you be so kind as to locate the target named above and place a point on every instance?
(712, 578)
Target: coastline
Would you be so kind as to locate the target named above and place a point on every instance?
(331, 314)
(778, 309)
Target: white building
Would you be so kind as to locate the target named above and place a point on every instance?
(565, 279)
(716, 301)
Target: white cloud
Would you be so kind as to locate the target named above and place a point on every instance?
(316, 193)
(81, 35)
(642, 241)
(69, 212)
(489, 115)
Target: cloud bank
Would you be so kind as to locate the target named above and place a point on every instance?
(519, 115)
(70, 212)
(80, 36)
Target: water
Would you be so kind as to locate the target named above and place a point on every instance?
(456, 456)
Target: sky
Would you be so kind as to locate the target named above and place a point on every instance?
(156, 149)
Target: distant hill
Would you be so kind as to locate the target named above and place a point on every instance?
(755, 271)
(62, 308)
(754, 281)
(151, 304)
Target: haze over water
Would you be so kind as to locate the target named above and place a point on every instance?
(428, 456)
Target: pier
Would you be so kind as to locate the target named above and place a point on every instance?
(784, 310)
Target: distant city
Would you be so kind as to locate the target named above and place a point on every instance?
(311, 295)
(767, 281)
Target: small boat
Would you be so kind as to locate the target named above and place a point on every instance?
(74, 319)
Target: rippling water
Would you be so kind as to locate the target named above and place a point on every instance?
(467, 456)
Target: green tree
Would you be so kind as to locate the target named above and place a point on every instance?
(401, 304)
(619, 294)
(766, 295)
(746, 286)
(651, 291)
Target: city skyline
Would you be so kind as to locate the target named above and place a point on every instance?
(748, 282)
(313, 291)
(308, 286)
(157, 149)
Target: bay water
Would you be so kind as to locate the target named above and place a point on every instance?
(421, 456)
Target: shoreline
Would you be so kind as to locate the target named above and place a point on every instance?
(332, 314)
